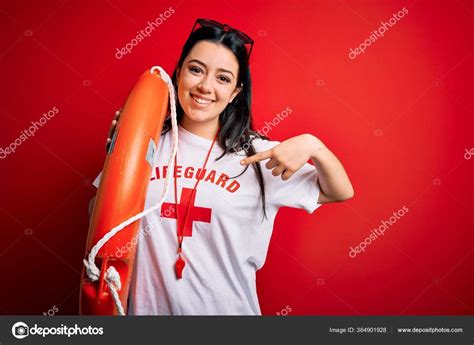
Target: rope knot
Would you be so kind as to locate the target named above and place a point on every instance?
(113, 277)
(92, 271)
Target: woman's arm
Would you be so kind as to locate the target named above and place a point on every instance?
(289, 156)
(334, 184)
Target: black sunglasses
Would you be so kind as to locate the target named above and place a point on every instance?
(212, 23)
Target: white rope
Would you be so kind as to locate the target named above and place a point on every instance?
(112, 277)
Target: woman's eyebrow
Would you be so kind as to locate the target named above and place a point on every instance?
(203, 64)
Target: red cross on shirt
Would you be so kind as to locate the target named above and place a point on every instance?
(196, 214)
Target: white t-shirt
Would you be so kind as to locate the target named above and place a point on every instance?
(228, 241)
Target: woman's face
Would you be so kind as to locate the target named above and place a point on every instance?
(207, 81)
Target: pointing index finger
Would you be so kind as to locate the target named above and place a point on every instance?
(260, 156)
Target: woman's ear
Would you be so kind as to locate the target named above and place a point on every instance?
(236, 92)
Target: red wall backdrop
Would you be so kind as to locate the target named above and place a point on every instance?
(399, 117)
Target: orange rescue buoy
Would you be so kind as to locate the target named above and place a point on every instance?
(122, 193)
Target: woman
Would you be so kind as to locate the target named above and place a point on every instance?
(200, 254)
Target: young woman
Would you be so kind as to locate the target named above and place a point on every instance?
(219, 220)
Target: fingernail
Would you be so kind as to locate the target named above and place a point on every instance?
(242, 162)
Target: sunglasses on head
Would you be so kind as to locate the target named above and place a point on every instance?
(226, 28)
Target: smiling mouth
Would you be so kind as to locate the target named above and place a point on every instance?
(201, 101)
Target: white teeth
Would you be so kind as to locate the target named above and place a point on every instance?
(200, 100)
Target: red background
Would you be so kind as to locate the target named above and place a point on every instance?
(399, 117)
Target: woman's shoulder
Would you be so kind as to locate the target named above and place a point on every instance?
(258, 143)
(262, 144)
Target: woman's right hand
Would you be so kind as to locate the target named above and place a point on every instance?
(112, 130)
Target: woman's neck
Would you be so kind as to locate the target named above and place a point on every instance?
(206, 130)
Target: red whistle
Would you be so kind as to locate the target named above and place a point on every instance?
(179, 267)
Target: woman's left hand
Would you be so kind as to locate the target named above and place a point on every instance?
(289, 156)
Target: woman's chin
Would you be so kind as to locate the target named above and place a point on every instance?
(199, 116)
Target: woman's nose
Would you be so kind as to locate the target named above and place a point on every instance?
(204, 86)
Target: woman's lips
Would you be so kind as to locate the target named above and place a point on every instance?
(201, 102)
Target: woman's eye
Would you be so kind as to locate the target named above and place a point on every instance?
(195, 69)
(198, 70)
(225, 79)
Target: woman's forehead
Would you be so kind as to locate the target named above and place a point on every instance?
(214, 56)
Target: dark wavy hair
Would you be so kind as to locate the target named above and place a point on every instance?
(235, 122)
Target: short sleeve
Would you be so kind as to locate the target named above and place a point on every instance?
(97, 180)
(301, 190)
